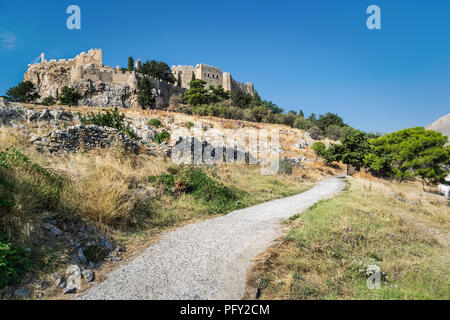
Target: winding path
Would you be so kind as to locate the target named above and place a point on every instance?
(209, 259)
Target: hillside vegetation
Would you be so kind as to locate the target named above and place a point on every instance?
(333, 248)
(110, 193)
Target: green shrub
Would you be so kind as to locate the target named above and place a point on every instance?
(217, 197)
(69, 96)
(168, 180)
(47, 185)
(109, 119)
(319, 148)
(6, 195)
(285, 166)
(189, 125)
(156, 123)
(95, 253)
(161, 137)
(48, 101)
(14, 262)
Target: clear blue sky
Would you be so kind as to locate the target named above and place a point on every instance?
(317, 56)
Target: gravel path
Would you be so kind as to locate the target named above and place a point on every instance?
(209, 259)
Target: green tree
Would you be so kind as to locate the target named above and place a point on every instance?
(313, 118)
(272, 106)
(24, 92)
(130, 64)
(326, 120)
(48, 101)
(410, 152)
(289, 118)
(158, 69)
(69, 96)
(241, 99)
(302, 123)
(196, 94)
(336, 132)
(353, 149)
(315, 132)
(217, 94)
(320, 149)
(145, 96)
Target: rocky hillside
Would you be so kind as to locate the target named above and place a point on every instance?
(80, 196)
(441, 125)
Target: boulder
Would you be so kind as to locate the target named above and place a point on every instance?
(54, 230)
(88, 275)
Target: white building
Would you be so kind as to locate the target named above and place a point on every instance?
(445, 189)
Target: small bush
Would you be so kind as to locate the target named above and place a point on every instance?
(315, 132)
(168, 180)
(109, 119)
(95, 253)
(285, 167)
(319, 148)
(69, 96)
(46, 184)
(14, 262)
(156, 123)
(189, 125)
(217, 197)
(48, 101)
(6, 188)
(161, 137)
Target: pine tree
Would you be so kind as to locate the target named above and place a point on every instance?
(193, 76)
(145, 96)
(130, 64)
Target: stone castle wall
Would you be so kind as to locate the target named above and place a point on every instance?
(213, 77)
(103, 86)
(99, 85)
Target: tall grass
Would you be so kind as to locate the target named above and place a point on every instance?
(326, 253)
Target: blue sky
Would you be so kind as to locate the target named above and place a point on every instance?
(317, 56)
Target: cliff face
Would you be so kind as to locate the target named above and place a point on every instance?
(99, 85)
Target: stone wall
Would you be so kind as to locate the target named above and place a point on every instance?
(183, 75)
(81, 137)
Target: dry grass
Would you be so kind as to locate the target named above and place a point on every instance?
(321, 254)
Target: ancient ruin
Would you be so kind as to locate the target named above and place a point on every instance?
(103, 86)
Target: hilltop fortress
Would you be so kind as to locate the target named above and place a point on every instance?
(213, 77)
(103, 86)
